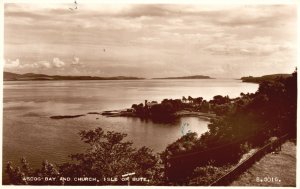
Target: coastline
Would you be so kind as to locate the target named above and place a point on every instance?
(182, 113)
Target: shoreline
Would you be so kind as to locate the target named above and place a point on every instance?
(195, 114)
(182, 113)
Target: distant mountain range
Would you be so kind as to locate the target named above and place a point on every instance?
(8, 76)
(187, 77)
(251, 79)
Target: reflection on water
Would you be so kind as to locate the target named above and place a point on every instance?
(28, 130)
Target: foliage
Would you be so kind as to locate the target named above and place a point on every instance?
(107, 156)
(264, 78)
(139, 109)
(205, 106)
(207, 174)
(250, 120)
(244, 122)
(198, 100)
(24, 174)
(220, 100)
(162, 110)
(183, 144)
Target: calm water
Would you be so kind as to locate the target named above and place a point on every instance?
(28, 131)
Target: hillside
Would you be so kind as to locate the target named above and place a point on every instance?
(251, 79)
(8, 76)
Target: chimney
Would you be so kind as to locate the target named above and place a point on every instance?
(146, 102)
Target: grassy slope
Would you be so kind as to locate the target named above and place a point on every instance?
(281, 165)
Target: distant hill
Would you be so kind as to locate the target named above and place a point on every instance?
(8, 76)
(251, 79)
(187, 77)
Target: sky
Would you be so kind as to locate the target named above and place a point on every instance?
(150, 40)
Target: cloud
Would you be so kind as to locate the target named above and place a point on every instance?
(255, 47)
(150, 10)
(146, 38)
(11, 64)
(58, 63)
(17, 65)
(44, 64)
(75, 61)
(259, 16)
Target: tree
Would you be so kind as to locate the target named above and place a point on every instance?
(140, 110)
(134, 106)
(221, 110)
(190, 99)
(205, 106)
(251, 119)
(218, 99)
(184, 99)
(163, 111)
(108, 155)
(198, 100)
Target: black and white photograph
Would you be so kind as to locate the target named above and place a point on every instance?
(141, 93)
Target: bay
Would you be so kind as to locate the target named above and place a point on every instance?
(29, 131)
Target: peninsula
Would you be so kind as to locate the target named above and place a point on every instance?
(187, 77)
(8, 76)
(251, 79)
